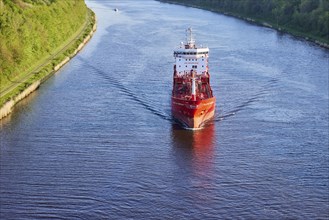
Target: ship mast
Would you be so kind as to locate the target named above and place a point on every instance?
(190, 45)
(193, 89)
(189, 38)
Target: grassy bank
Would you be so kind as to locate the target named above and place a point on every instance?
(303, 18)
(36, 57)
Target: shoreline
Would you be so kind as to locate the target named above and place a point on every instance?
(262, 23)
(50, 67)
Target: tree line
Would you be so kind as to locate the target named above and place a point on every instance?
(309, 18)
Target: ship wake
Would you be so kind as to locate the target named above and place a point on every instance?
(143, 101)
(263, 91)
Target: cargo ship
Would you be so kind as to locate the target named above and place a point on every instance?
(192, 101)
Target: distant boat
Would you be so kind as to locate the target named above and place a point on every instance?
(116, 10)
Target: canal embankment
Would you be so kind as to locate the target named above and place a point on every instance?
(31, 81)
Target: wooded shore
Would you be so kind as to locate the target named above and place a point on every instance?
(307, 19)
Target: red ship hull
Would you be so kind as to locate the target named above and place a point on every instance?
(193, 114)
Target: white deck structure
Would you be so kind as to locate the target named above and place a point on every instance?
(190, 57)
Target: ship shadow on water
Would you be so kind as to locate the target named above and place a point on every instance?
(194, 150)
(198, 140)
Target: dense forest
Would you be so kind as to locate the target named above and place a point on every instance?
(31, 30)
(307, 18)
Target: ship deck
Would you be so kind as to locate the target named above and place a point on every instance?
(182, 87)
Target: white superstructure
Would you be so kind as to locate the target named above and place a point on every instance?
(190, 57)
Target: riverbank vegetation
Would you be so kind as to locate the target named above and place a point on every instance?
(31, 30)
(36, 36)
(305, 18)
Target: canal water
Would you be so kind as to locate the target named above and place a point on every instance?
(97, 140)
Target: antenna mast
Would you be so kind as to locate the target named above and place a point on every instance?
(189, 37)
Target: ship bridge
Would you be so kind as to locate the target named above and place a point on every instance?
(191, 57)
